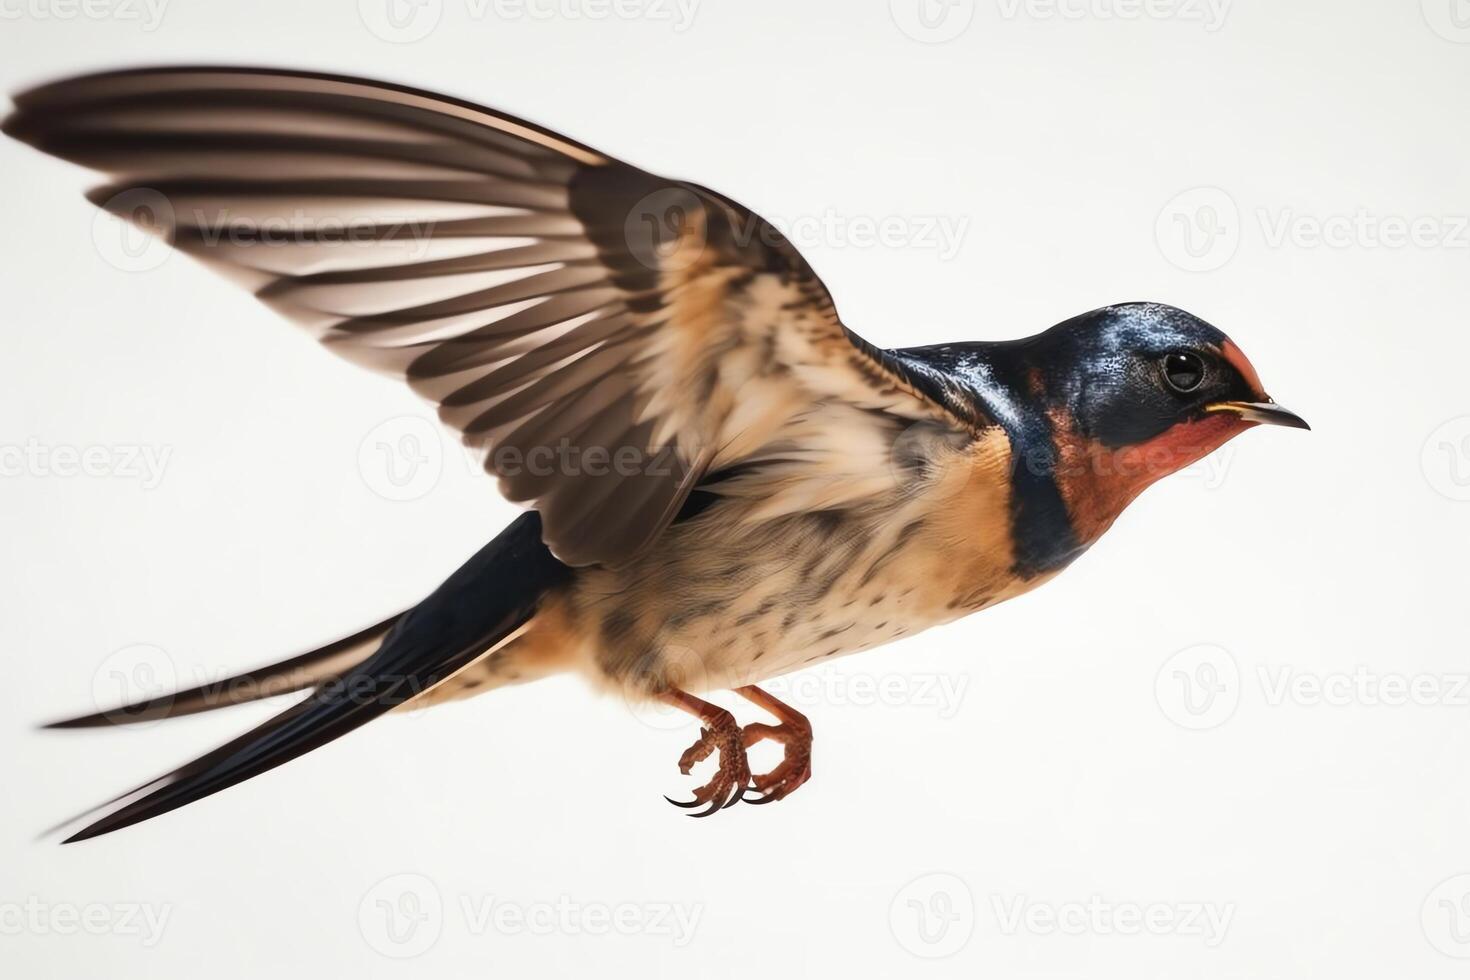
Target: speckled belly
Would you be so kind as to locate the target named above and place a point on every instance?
(720, 603)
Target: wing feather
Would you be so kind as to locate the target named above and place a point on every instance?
(549, 299)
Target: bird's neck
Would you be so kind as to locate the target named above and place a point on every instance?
(1066, 489)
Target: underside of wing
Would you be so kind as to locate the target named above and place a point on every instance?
(605, 337)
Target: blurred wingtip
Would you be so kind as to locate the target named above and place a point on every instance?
(63, 724)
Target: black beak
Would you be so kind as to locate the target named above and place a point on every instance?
(1266, 412)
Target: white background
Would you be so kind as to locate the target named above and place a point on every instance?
(1072, 764)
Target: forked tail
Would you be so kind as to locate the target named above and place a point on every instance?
(486, 601)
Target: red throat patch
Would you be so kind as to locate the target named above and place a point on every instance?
(1098, 482)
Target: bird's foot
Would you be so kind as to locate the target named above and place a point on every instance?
(795, 736)
(732, 779)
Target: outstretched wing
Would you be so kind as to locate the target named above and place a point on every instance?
(605, 336)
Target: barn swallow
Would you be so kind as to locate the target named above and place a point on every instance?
(723, 483)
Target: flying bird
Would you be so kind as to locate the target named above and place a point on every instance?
(723, 482)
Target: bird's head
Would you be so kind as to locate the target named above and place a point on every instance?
(1137, 391)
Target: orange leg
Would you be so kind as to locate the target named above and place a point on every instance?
(795, 735)
(720, 733)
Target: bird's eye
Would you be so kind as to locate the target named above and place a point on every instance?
(1183, 370)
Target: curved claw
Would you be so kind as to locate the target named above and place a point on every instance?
(732, 779)
(734, 782)
(713, 808)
